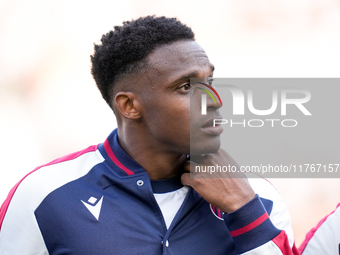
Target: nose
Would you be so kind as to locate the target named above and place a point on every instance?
(210, 98)
(214, 100)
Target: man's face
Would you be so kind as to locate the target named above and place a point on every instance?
(167, 97)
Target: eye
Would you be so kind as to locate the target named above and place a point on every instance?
(210, 81)
(185, 87)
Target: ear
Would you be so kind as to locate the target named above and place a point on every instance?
(128, 104)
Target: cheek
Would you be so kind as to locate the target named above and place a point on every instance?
(195, 114)
(169, 119)
(176, 115)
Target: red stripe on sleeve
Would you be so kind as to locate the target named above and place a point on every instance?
(250, 226)
(112, 156)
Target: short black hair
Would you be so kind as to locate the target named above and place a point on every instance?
(123, 50)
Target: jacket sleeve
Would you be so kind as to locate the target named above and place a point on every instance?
(325, 237)
(256, 230)
(19, 231)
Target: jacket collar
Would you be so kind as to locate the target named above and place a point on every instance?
(117, 158)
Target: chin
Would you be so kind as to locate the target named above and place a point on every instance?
(205, 146)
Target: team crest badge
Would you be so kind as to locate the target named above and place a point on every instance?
(218, 214)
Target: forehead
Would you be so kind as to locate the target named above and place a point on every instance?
(179, 58)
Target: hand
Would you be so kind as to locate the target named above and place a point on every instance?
(228, 191)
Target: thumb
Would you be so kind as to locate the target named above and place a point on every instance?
(185, 179)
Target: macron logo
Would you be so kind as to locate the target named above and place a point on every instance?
(94, 207)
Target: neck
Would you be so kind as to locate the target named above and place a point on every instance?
(157, 161)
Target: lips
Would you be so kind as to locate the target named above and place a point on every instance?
(208, 127)
(210, 122)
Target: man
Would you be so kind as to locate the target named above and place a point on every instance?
(130, 195)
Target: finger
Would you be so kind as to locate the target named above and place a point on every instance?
(190, 167)
(187, 167)
(185, 179)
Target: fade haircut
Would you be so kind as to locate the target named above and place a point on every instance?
(123, 50)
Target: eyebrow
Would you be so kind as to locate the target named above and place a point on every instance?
(194, 73)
